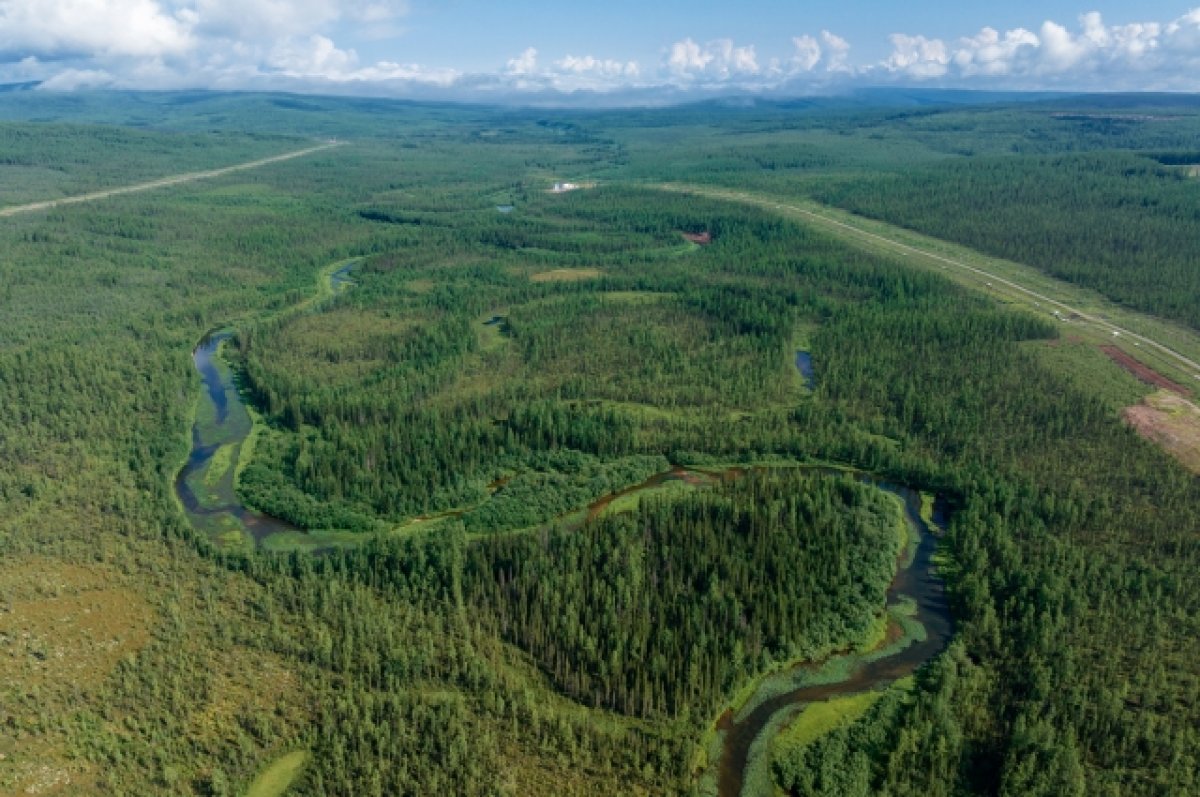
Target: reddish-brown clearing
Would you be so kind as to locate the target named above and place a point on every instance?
(702, 238)
(1143, 371)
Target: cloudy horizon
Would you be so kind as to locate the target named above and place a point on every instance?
(452, 49)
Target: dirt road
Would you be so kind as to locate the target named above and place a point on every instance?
(890, 243)
(162, 182)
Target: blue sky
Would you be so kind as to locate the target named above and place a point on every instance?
(492, 32)
(475, 49)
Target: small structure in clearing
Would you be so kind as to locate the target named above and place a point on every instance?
(702, 238)
(562, 188)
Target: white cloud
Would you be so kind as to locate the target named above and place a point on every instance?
(987, 53)
(837, 52)
(716, 61)
(596, 66)
(1059, 50)
(523, 64)
(311, 44)
(56, 28)
(807, 54)
(917, 56)
(318, 58)
(1184, 33)
(686, 57)
(315, 57)
(1095, 55)
(74, 79)
(569, 73)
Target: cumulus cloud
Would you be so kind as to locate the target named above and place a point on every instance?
(989, 53)
(75, 79)
(917, 56)
(523, 64)
(587, 65)
(525, 72)
(58, 28)
(837, 52)
(716, 61)
(807, 54)
(311, 44)
(317, 58)
(1059, 50)
(1140, 55)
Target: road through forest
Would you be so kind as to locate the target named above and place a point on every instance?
(161, 182)
(828, 222)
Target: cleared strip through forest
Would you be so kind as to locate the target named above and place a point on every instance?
(841, 227)
(162, 182)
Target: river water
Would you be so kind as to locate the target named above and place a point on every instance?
(805, 365)
(212, 505)
(916, 580)
(221, 420)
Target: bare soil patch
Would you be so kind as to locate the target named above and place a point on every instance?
(702, 238)
(72, 641)
(1143, 371)
(1171, 422)
(567, 275)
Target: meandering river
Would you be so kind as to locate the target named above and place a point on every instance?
(206, 485)
(916, 580)
(222, 421)
(206, 488)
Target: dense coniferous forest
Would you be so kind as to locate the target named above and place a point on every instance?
(633, 612)
(1124, 224)
(492, 620)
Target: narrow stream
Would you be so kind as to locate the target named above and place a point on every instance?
(917, 581)
(340, 279)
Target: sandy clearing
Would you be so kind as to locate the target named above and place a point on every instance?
(1171, 422)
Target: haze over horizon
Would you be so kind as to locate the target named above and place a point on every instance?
(472, 50)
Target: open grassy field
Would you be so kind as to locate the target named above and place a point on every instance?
(278, 776)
